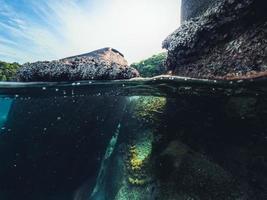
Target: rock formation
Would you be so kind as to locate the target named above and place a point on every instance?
(195, 8)
(102, 64)
(226, 41)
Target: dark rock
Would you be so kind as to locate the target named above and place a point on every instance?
(195, 8)
(213, 148)
(182, 170)
(228, 40)
(102, 64)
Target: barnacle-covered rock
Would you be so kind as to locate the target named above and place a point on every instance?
(225, 41)
(102, 64)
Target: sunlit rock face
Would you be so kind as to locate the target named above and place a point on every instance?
(102, 64)
(219, 39)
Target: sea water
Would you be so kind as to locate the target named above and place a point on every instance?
(159, 138)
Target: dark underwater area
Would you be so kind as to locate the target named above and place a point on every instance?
(162, 138)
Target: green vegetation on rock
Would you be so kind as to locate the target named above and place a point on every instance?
(148, 108)
(152, 66)
(8, 70)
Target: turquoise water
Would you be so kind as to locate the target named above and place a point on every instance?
(159, 138)
(4, 107)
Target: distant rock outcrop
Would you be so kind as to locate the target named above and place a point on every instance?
(102, 64)
(226, 40)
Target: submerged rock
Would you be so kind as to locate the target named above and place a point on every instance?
(226, 41)
(102, 64)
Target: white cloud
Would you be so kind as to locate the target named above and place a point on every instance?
(134, 27)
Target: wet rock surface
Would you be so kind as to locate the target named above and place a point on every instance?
(228, 41)
(102, 64)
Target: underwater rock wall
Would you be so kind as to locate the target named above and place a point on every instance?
(227, 41)
(129, 172)
(189, 148)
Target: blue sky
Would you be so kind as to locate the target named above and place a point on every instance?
(32, 30)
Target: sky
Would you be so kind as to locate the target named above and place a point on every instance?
(32, 30)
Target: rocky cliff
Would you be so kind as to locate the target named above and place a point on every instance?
(226, 40)
(195, 8)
